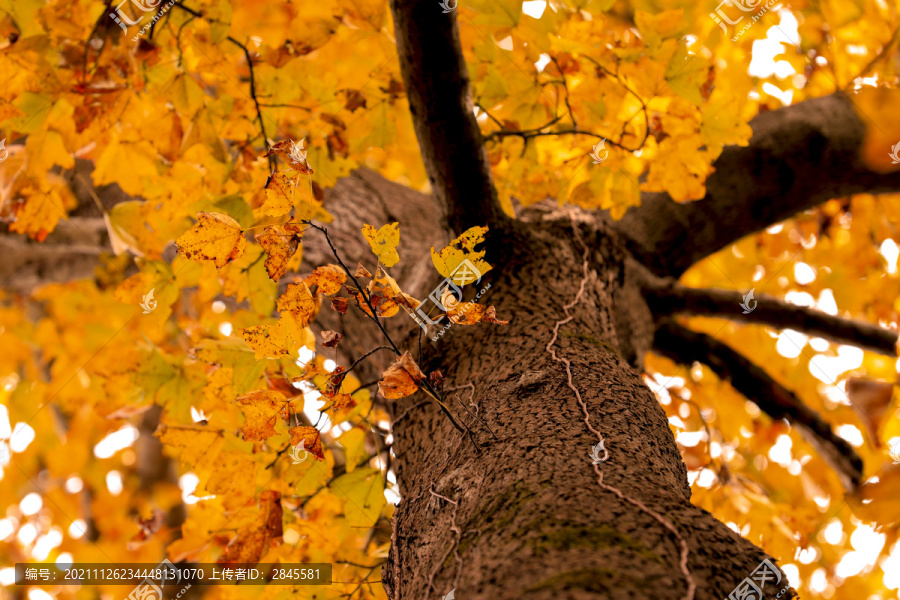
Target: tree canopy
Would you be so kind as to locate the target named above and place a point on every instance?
(179, 372)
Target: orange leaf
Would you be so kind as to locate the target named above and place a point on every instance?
(311, 438)
(329, 279)
(252, 541)
(261, 409)
(401, 379)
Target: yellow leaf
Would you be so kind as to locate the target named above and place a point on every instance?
(362, 492)
(261, 409)
(297, 304)
(451, 260)
(329, 279)
(280, 243)
(130, 164)
(267, 341)
(384, 242)
(354, 444)
(215, 237)
(279, 195)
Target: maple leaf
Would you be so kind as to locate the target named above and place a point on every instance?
(298, 304)
(329, 279)
(281, 243)
(279, 195)
(261, 410)
(449, 261)
(401, 379)
(384, 242)
(312, 441)
(253, 539)
(215, 237)
(267, 341)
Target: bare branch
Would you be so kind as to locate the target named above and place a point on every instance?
(685, 346)
(440, 100)
(772, 311)
(799, 157)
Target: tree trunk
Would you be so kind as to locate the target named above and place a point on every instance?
(528, 512)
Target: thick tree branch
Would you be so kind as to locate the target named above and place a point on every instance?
(440, 100)
(685, 346)
(768, 310)
(799, 156)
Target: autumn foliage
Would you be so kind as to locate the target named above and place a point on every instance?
(225, 125)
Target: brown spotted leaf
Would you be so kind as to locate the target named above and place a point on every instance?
(297, 303)
(279, 195)
(310, 437)
(261, 409)
(267, 341)
(215, 237)
(328, 279)
(280, 243)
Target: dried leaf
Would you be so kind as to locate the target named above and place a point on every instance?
(401, 379)
(339, 304)
(330, 339)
